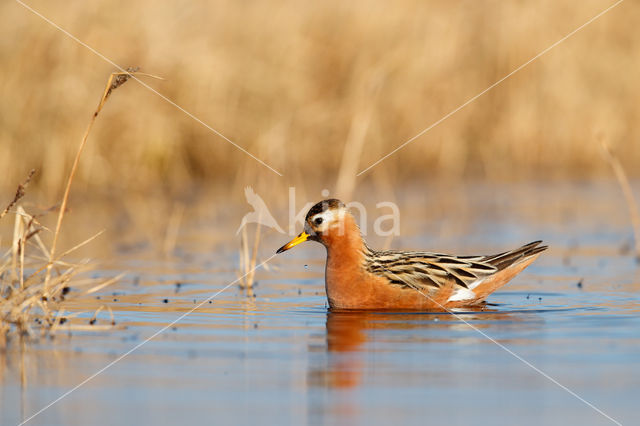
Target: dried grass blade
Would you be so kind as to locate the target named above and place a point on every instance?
(104, 284)
(623, 181)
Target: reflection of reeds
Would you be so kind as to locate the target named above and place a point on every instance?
(621, 176)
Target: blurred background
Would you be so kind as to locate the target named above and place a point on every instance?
(318, 91)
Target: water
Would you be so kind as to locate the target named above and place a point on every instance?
(282, 357)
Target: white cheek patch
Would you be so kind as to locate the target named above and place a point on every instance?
(331, 219)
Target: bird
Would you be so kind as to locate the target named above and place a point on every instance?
(261, 214)
(360, 278)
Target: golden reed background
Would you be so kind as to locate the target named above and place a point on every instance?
(313, 88)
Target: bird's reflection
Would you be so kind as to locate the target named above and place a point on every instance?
(347, 334)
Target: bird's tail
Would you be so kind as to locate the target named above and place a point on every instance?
(509, 264)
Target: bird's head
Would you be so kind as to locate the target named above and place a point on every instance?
(325, 221)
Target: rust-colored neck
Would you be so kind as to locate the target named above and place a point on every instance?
(345, 277)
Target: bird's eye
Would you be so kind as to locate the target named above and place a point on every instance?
(317, 221)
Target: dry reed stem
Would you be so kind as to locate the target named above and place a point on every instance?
(354, 145)
(347, 175)
(116, 80)
(17, 232)
(254, 257)
(248, 262)
(173, 228)
(113, 320)
(244, 262)
(105, 284)
(623, 181)
(22, 308)
(83, 243)
(19, 193)
(58, 261)
(94, 318)
(28, 303)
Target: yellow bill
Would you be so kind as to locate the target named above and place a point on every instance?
(297, 240)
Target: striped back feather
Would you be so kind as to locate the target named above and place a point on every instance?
(430, 271)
